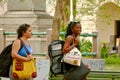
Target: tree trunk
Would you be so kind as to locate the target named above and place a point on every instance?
(61, 15)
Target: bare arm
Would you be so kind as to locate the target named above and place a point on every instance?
(67, 46)
(15, 48)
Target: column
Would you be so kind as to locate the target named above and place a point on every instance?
(2, 39)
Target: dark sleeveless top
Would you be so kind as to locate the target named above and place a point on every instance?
(78, 46)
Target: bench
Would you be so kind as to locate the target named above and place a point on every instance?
(104, 75)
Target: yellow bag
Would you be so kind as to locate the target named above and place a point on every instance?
(24, 70)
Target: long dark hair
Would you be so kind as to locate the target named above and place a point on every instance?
(70, 26)
(22, 28)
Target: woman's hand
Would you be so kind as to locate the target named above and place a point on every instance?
(29, 57)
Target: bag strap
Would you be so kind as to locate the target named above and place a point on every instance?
(24, 47)
(27, 50)
(73, 39)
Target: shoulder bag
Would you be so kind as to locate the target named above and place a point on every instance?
(24, 70)
(73, 57)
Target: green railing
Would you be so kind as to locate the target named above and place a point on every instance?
(88, 35)
(61, 34)
(89, 54)
(83, 54)
(33, 33)
(44, 33)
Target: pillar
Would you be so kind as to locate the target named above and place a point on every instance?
(96, 45)
(2, 39)
(48, 36)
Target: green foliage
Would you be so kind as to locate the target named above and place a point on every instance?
(109, 59)
(22, 0)
(63, 29)
(88, 7)
(1, 0)
(85, 45)
(104, 52)
(117, 1)
(113, 59)
(67, 10)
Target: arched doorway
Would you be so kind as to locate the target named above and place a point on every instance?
(117, 30)
(108, 22)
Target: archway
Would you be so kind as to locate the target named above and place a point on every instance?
(106, 17)
(117, 30)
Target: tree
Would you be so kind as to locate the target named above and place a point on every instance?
(61, 16)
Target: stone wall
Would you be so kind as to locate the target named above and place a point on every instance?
(95, 64)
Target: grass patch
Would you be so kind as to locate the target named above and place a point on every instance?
(58, 77)
(113, 59)
(114, 67)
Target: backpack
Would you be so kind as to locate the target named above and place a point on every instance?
(6, 60)
(55, 55)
